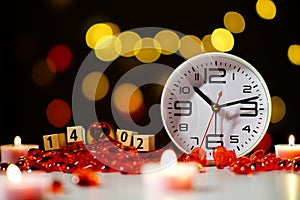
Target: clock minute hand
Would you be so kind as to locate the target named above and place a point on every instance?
(238, 101)
(204, 97)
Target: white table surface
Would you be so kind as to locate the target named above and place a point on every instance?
(211, 183)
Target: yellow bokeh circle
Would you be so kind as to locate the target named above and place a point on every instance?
(96, 32)
(190, 45)
(278, 109)
(168, 40)
(294, 54)
(234, 22)
(266, 9)
(222, 39)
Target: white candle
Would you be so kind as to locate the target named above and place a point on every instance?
(290, 150)
(18, 186)
(168, 174)
(11, 152)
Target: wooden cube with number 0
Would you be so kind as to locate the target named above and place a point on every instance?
(144, 142)
(54, 141)
(75, 134)
(125, 136)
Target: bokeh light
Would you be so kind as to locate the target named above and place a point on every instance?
(128, 40)
(41, 74)
(190, 45)
(95, 86)
(128, 98)
(266, 9)
(234, 22)
(96, 32)
(168, 40)
(222, 39)
(59, 58)
(294, 54)
(108, 48)
(58, 113)
(278, 109)
(114, 27)
(208, 46)
(147, 50)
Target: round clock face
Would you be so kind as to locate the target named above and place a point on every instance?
(216, 99)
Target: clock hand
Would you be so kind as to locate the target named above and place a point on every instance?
(204, 97)
(215, 109)
(238, 101)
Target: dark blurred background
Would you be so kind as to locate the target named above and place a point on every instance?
(31, 28)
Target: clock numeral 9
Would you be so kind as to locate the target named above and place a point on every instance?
(184, 108)
(217, 142)
(214, 75)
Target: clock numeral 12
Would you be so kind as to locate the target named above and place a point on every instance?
(214, 75)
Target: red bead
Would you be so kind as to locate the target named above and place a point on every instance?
(223, 157)
(56, 187)
(86, 177)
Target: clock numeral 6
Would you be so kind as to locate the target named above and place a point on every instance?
(210, 140)
(184, 108)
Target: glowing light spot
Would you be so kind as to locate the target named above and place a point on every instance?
(147, 50)
(127, 98)
(169, 41)
(61, 4)
(294, 54)
(59, 58)
(265, 143)
(128, 40)
(208, 46)
(108, 48)
(95, 86)
(222, 39)
(96, 32)
(41, 74)
(13, 173)
(58, 113)
(278, 109)
(190, 45)
(234, 22)
(266, 9)
(114, 27)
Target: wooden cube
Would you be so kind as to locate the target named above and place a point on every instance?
(75, 134)
(54, 141)
(125, 136)
(144, 142)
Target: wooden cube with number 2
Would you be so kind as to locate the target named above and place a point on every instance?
(125, 136)
(75, 134)
(54, 141)
(144, 142)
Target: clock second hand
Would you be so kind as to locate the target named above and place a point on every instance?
(215, 108)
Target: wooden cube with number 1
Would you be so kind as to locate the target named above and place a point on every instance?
(125, 136)
(144, 142)
(54, 141)
(75, 134)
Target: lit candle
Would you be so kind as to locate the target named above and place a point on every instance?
(290, 150)
(18, 186)
(11, 152)
(168, 174)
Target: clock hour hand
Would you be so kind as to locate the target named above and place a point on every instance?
(204, 97)
(238, 101)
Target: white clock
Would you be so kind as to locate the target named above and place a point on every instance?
(215, 99)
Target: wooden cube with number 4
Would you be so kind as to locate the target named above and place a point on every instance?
(144, 142)
(75, 134)
(125, 136)
(54, 141)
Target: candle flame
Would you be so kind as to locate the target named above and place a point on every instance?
(17, 140)
(291, 140)
(13, 173)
